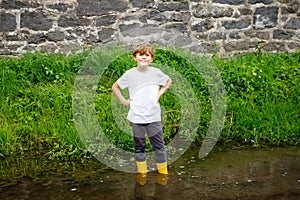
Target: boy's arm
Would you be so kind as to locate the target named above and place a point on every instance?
(164, 88)
(116, 89)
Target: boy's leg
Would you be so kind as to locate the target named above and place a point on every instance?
(155, 134)
(138, 131)
(139, 150)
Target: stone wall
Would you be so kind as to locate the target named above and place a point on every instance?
(210, 26)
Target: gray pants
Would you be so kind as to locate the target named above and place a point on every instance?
(155, 135)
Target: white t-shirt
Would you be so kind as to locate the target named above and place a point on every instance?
(143, 90)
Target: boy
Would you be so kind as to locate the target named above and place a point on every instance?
(143, 83)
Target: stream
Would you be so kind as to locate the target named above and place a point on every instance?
(224, 174)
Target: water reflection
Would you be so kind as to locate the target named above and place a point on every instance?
(150, 191)
(241, 174)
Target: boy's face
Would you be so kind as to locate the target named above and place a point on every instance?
(143, 59)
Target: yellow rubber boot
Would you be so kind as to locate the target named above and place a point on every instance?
(162, 173)
(142, 172)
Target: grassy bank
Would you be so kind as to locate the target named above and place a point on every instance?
(262, 91)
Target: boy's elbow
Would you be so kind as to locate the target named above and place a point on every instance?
(115, 87)
(170, 81)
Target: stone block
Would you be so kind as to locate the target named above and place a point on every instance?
(265, 17)
(65, 21)
(204, 11)
(293, 23)
(56, 36)
(180, 27)
(106, 20)
(203, 26)
(181, 17)
(35, 20)
(60, 7)
(230, 2)
(106, 34)
(282, 35)
(8, 22)
(36, 39)
(14, 4)
(154, 16)
(142, 3)
(237, 24)
(174, 6)
(100, 7)
(260, 1)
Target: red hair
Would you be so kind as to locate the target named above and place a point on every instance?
(143, 48)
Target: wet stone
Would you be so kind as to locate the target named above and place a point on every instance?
(76, 33)
(60, 7)
(182, 41)
(274, 46)
(235, 36)
(178, 27)
(217, 36)
(260, 1)
(181, 17)
(293, 23)
(8, 22)
(230, 2)
(265, 17)
(260, 35)
(155, 16)
(36, 39)
(134, 30)
(240, 45)
(56, 36)
(9, 4)
(201, 11)
(281, 34)
(203, 26)
(12, 38)
(174, 6)
(64, 21)
(106, 34)
(49, 48)
(106, 20)
(13, 47)
(142, 3)
(204, 47)
(293, 7)
(128, 29)
(236, 24)
(245, 11)
(99, 7)
(35, 21)
(294, 45)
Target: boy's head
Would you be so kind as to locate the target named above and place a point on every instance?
(143, 48)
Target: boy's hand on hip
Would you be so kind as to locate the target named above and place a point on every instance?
(127, 103)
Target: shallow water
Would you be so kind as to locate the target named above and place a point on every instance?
(235, 174)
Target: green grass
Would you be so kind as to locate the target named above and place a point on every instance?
(262, 91)
(263, 98)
